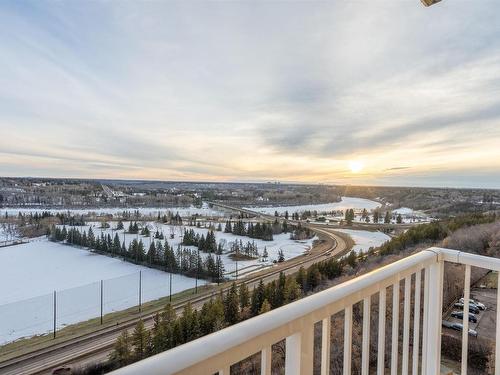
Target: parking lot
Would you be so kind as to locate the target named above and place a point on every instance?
(485, 326)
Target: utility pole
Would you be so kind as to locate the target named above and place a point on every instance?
(170, 295)
(102, 299)
(140, 291)
(55, 313)
(197, 269)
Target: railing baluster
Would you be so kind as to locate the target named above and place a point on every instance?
(416, 323)
(406, 325)
(497, 341)
(347, 339)
(426, 319)
(381, 332)
(434, 307)
(465, 331)
(325, 346)
(265, 360)
(292, 355)
(365, 355)
(307, 350)
(395, 328)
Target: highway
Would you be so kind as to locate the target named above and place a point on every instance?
(96, 346)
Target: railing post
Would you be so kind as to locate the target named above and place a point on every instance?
(432, 346)
(265, 360)
(381, 332)
(300, 352)
(292, 355)
(325, 346)
(347, 340)
(307, 350)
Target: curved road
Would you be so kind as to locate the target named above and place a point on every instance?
(96, 346)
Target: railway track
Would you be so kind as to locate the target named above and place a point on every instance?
(95, 346)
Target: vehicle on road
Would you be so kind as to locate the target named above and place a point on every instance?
(460, 315)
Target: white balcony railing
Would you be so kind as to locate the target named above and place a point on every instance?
(295, 322)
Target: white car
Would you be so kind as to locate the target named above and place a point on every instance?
(480, 305)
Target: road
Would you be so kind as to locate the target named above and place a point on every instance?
(96, 346)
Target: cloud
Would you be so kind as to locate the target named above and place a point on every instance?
(249, 90)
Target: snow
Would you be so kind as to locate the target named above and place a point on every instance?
(205, 210)
(8, 232)
(365, 239)
(291, 248)
(344, 204)
(31, 272)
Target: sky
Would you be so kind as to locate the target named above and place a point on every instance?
(368, 92)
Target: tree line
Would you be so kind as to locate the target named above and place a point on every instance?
(159, 254)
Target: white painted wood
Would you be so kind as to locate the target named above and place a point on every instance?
(465, 322)
(426, 319)
(292, 354)
(433, 340)
(365, 350)
(347, 340)
(497, 340)
(395, 329)
(381, 332)
(406, 326)
(416, 323)
(265, 360)
(325, 346)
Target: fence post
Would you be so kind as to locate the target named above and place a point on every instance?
(101, 299)
(170, 286)
(140, 291)
(55, 312)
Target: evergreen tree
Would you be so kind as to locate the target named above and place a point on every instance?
(387, 218)
(265, 254)
(399, 219)
(231, 305)
(257, 298)
(244, 295)
(122, 353)
(265, 307)
(139, 340)
(352, 259)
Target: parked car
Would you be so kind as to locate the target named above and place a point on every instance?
(458, 327)
(460, 315)
(480, 305)
(472, 308)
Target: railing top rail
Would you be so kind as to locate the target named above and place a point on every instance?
(462, 257)
(219, 342)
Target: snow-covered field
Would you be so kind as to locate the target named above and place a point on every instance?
(344, 204)
(205, 210)
(364, 239)
(31, 272)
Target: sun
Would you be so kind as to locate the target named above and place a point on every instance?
(356, 166)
